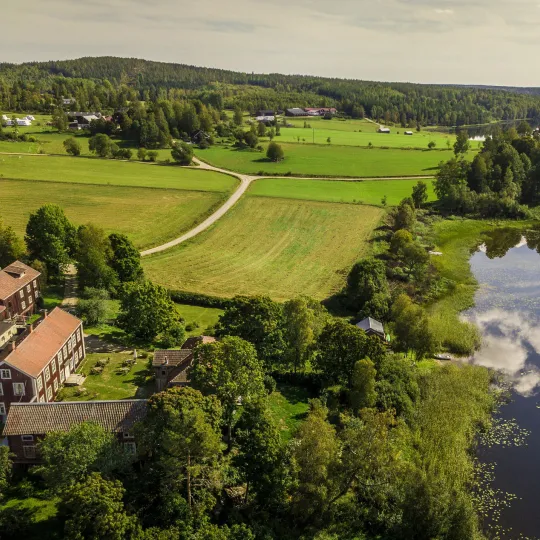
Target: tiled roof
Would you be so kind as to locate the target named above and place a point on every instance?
(36, 350)
(40, 418)
(172, 357)
(9, 285)
(371, 324)
(181, 377)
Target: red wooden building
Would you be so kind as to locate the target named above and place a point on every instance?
(19, 290)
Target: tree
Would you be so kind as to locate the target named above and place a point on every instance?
(60, 120)
(367, 289)
(92, 306)
(461, 146)
(11, 246)
(304, 320)
(179, 440)
(451, 185)
(257, 319)
(152, 155)
(92, 259)
(101, 145)
(251, 139)
(68, 457)
(5, 470)
(72, 146)
(230, 370)
(93, 510)
(274, 152)
(363, 393)
(431, 145)
(261, 457)
(415, 258)
(182, 153)
(261, 129)
(238, 118)
(50, 237)
(141, 154)
(125, 258)
(340, 346)
(419, 194)
(405, 215)
(400, 240)
(524, 128)
(146, 310)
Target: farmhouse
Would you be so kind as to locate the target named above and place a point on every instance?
(383, 130)
(408, 132)
(171, 366)
(265, 118)
(36, 364)
(27, 423)
(372, 327)
(295, 112)
(19, 290)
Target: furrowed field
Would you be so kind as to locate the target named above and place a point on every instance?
(148, 216)
(364, 192)
(330, 160)
(277, 247)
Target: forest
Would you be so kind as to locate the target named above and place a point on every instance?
(109, 83)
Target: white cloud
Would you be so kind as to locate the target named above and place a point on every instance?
(445, 11)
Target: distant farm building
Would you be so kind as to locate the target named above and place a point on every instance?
(265, 118)
(68, 101)
(408, 133)
(372, 327)
(268, 112)
(295, 112)
(320, 111)
(383, 130)
(83, 119)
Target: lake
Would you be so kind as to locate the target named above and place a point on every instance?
(507, 312)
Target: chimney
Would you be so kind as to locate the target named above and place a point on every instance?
(166, 361)
(45, 313)
(13, 345)
(30, 328)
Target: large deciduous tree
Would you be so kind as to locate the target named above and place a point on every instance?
(11, 246)
(275, 152)
(125, 259)
(182, 153)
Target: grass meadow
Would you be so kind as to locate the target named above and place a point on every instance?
(198, 318)
(364, 192)
(271, 246)
(128, 210)
(110, 172)
(329, 160)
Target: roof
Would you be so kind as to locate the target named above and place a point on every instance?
(296, 110)
(181, 377)
(40, 418)
(6, 326)
(371, 324)
(36, 350)
(15, 277)
(171, 357)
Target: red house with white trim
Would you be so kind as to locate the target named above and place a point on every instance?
(19, 290)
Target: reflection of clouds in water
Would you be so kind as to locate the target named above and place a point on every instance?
(507, 338)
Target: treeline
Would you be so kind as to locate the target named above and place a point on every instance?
(108, 82)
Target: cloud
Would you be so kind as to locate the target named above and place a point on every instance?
(445, 11)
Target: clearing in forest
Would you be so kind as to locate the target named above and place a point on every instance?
(278, 247)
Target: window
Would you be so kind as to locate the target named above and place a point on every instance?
(18, 389)
(28, 288)
(62, 376)
(21, 293)
(5, 373)
(69, 345)
(36, 294)
(128, 435)
(53, 366)
(39, 383)
(79, 334)
(1, 390)
(27, 438)
(60, 357)
(49, 393)
(47, 373)
(130, 448)
(42, 399)
(2, 408)
(65, 352)
(35, 283)
(55, 384)
(30, 300)
(29, 452)
(23, 304)
(76, 357)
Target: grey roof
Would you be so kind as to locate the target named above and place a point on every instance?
(371, 324)
(171, 357)
(6, 326)
(41, 418)
(296, 110)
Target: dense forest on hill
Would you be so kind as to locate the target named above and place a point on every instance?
(109, 82)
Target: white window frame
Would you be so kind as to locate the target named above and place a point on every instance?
(55, 385)
(53, 366)
(60, 357)
(29, 452)
(35, 282)
(76, 357)
(42, 399)
(1, 389)
(27, 438)
(47, 373)
(28, 288)
(49, 393)
(62, 376)
(19, 389)
(64, 348)
(30, 300)
(5, 373)
(23, 303)
(79, 335)
(39, 383)
(21, 293)
(2, 408)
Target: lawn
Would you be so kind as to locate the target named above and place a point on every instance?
(278, 247)
(365, 192)
(111, 383)
(288, 406)
(359, 133)
(329, 160)
(198, 318)
(128, 210)
(110, 172)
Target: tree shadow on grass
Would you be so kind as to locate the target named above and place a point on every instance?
(293, 394)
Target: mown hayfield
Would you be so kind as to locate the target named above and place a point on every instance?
(329, 160)
(343, 191)
(110, 172)
(359, 133)
(148, 216)
(278, 247)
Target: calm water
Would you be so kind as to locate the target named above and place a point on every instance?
(507, 311)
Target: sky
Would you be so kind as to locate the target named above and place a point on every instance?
(494, 42)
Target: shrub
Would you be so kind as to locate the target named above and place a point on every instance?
(275, 152)
(269, 384)
(152, 156)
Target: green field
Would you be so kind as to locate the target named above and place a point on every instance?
(200, 318)
(128, 210)
(110, 172)
(359, 133)
(365, 192)
(329, 160)
(288, 406)
(278, 247)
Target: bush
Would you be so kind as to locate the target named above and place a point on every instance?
(152, 156)
(269, 384)
(173, 336)
(198, 299)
